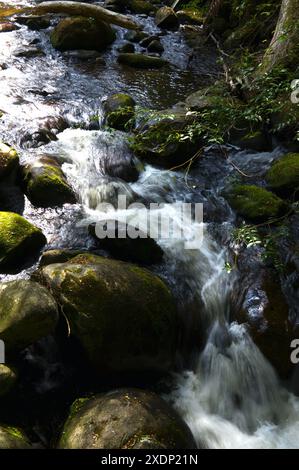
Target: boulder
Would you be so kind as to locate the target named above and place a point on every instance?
(45, 183)
(13, 438)
(138, 250)
(142, 61)
(255, 203)
(155, 46)
(283, 176)
(8, 379)
(266, 313)
(9, 161)
(123, 316)
(19, 240)
(125, 419)
(82, 33)
(119, 111)
(167, 18)
(30, 316)
(159, 145)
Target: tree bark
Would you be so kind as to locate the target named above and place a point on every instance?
(85, 9)
(284, 47)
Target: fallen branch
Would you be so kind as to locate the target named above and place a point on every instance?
(85, 9)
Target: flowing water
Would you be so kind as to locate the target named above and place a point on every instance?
(227, 392)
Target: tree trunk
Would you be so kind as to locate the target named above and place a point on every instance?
(85, 9)
(284, 47)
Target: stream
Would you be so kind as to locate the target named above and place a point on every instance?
(227, 392)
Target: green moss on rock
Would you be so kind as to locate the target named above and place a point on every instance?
(256, 203)
(46, 185)
(142, 61)
(123, 315)
(82, 33)
(13, 438)
(283, 176)
(19, 239)
(9, 160)
(8, 378)
(119, 111)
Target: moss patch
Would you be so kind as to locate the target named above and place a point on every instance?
(283, 176)
(17, 237)
(256, 203)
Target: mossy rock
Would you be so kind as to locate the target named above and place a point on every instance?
(13, 438)
(167, 18)
(123, 315)
(45, 184)
(142, 61)
(19, 240)
(119, 111)
(271, 330)
(82, 33)
(125, 419)
(255, 203)
(159, 145)
(9, 160)
(8, 378)
(28, 312)
(254, 140)
(283, 176)
(190, 16)
(141, 7)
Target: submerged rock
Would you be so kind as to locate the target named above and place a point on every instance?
(142, 61)
(255, 203)
(19, 239)
(9, 161)
(43, 131)
(283, 176)
(13, 438)
(35, 22)
(82, 33)
(30, 316)
(119, 111)
(166, 18)
(138, 250)
(125, 419)
(123, 316)
(46, 185)
(8, 378)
